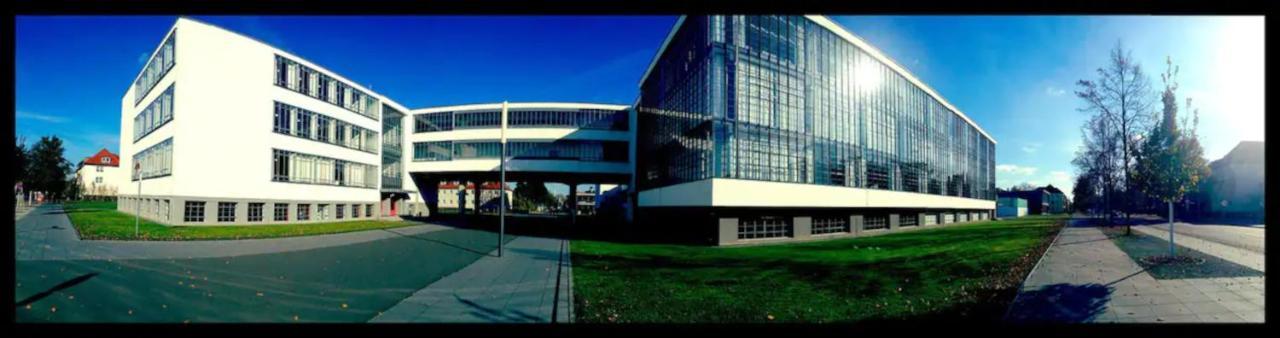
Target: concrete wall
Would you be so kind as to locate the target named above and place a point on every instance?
(721, 192)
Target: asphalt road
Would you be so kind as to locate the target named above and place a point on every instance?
(1249, 238)
(350, 283)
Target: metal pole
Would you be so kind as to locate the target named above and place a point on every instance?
(137, 207)
(502, 187)
(1171, 252)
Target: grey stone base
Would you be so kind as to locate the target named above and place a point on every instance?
(169, 210)
(802, 222)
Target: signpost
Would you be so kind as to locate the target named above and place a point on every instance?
(502, 187)
(137, 205)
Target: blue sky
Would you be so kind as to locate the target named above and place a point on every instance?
(1013, 75)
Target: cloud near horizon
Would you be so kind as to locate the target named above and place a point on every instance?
(40, 117)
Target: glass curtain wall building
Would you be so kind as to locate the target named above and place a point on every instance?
(749, 102)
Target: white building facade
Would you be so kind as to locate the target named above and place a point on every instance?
(99, 175)
(229, 130)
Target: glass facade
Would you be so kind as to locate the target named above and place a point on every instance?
(522, 118)
(392, 148)
(576, 150)
(783, 99)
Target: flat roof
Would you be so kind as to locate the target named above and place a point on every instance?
(521, 105)
(856, 41)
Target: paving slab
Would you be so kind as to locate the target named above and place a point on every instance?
(47, 234)
(1084, 277)
(528, 284)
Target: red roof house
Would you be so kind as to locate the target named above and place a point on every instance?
(103, 158)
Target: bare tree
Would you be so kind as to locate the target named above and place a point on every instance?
(1097, 159)
(1122, 97)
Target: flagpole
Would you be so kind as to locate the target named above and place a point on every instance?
(502, 187)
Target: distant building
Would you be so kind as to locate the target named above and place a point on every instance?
(1057, 201)
(1010, 207)
(1234, 188)
(454, 195)
(1037, 199)
(100, 175)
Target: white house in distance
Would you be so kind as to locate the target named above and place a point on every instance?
(229, 130)
(100, 175)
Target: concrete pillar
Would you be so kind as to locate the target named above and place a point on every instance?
(475, 198)
(855, 224)
(573, 202)
(242, 212)
(728, 230)
(801, 227)
(893, 222)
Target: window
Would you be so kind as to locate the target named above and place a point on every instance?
(302, 79)
(433, 151)
(193, 211)
(325, 129)
(909, 220)
(106, 160)
(156, 68)
(764, 227)
(156, 114)
(281, 212)
(226, 211)
(338, 210)
(355, 211)
(829, 225)
(430, 122)
(255, 212)
(97, 180)
(156, 160)
(288, 166)
(368, 210)
(875, 222)
(322, 212)
(99, 168)
(304, 212)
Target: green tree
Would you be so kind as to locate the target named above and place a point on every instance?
(48, 169)
(1173, 161)
(22, 159)
(530, 196)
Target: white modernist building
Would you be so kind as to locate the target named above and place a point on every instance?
(227, 129)
(570, 143)
(100, 175)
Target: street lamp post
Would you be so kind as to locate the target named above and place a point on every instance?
(502, 187)
(137, 206)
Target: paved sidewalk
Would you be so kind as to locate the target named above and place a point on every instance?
(1239, 255)
(1085, 277)
(20, 210)
(531, 283)
(47, 234)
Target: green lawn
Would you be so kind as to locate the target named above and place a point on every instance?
(100, 220)
(966, 271)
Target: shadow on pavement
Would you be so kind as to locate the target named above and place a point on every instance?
(478, 251)
(495, 315)
(56, 288)
(1062, 303)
